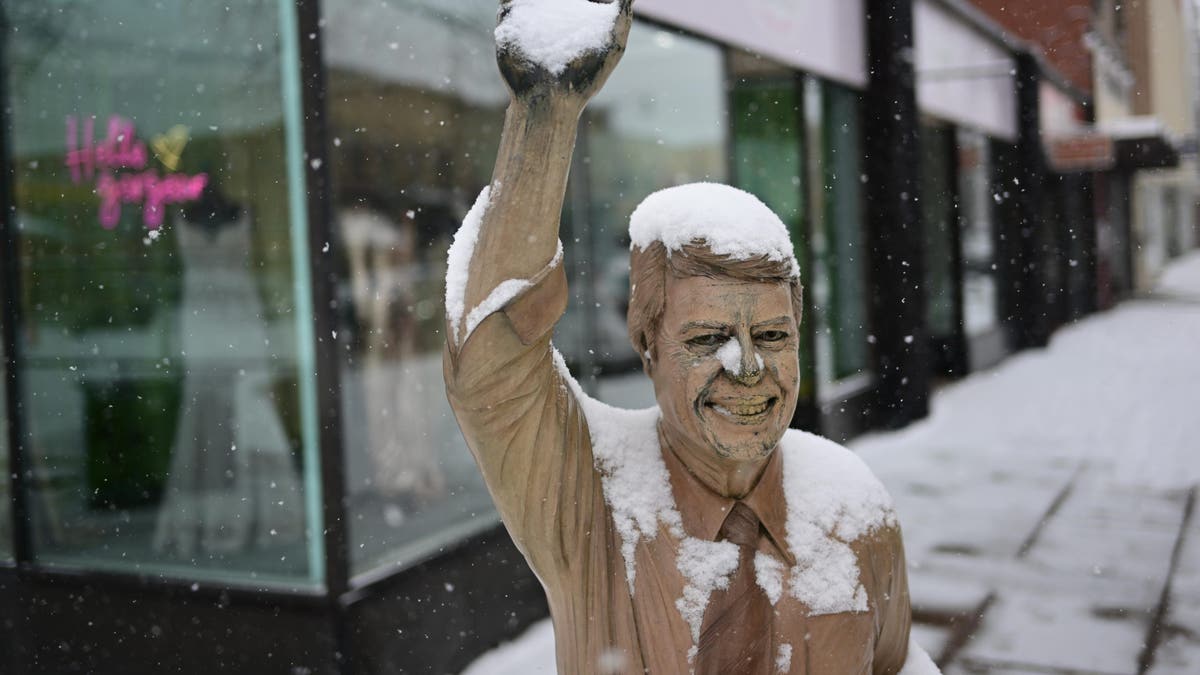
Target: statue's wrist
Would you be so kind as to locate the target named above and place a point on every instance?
(552, 104)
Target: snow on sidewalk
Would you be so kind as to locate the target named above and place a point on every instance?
(1054, 487)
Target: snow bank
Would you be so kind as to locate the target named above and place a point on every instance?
(530, 654)
(552, 33)
(732, 222)
(1182, 277)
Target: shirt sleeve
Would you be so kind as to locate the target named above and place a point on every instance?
(524, 425)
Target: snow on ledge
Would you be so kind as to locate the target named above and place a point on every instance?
(552, 33)
(730, 221)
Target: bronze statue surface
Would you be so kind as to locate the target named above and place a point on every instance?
(701, 535)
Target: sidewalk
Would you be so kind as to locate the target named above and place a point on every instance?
(1048, 503)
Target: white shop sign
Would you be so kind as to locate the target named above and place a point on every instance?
(962, 75)
(825, 37)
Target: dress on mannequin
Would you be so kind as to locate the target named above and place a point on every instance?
(384, 272)
(232, 483)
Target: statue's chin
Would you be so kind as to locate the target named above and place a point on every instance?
(745, 451)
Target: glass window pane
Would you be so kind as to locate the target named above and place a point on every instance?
(163, 311)
(980, 311)
(838, 286)
(415, 108)
(847, 305)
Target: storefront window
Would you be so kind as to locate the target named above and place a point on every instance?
(839, 273)
(980, 312)
(163, 312)
(415, 111)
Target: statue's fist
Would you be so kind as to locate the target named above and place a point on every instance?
(560, 48)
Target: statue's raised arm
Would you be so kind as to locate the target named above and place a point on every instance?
(506, 288)
(554, 56)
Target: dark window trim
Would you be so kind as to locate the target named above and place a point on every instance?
(9, 283)
(323, 247)
(233, 593)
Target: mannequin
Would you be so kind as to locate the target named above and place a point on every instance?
(232, 484)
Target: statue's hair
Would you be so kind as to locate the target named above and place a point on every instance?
(648, 270)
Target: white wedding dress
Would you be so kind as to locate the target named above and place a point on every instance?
(233, 484)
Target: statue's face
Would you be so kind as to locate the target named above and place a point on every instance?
(734, 400)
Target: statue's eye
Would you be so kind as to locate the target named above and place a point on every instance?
(772, 336)
(707, 340)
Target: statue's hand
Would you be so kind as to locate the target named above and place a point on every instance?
(581, 77)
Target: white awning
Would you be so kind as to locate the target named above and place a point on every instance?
(825, 37)
(963, 76)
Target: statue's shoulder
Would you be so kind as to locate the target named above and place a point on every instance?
(830, 486)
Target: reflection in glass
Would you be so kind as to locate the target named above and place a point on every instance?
(841, 249)
(415, 108)
(159, 322)
(231, 472)
(980, 310)
(838, 269)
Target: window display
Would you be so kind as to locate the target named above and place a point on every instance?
(163, 318)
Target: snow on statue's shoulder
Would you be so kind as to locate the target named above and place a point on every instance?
(835, 488)
(552, 33)
(633, 475)
(730, 221)
(833, 499)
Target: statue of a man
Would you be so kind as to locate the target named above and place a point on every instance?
(701, 535)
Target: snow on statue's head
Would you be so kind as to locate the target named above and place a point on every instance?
(714, 311)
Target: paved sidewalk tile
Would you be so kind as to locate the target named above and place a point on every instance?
(1035, 630)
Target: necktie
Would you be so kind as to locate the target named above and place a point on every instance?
(735, 636)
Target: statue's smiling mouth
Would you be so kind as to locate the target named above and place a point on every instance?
(744, 409)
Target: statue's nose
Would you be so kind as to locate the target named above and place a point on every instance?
(750, 369)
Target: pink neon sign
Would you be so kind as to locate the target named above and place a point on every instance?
(88, 157)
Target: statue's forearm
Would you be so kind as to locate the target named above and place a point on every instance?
(519, 231)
